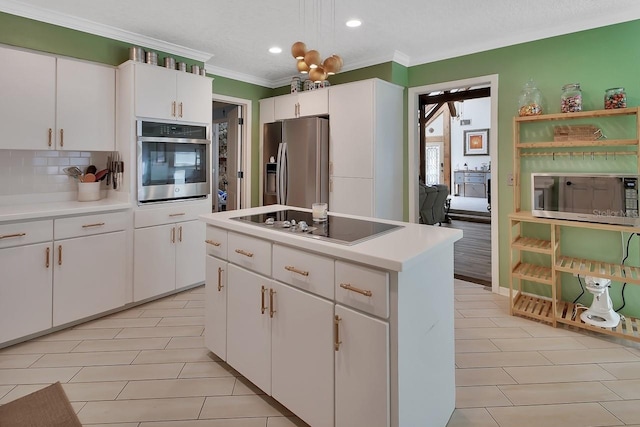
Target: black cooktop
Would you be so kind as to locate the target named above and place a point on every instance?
(346, 231)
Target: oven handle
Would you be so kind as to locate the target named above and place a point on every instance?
(175, 140)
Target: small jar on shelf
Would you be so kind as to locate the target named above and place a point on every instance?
(530, 100)
(571, 98)
(615, 97)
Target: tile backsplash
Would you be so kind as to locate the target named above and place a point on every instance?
(32, 172)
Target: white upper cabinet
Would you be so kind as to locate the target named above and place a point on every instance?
(55, 103)
(172, 95)
(86, 106)
(302, 104)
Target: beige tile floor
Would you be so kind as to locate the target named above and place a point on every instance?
(147, 367)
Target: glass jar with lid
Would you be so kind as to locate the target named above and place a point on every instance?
(530, 100)
(615, 97)
(571, 98)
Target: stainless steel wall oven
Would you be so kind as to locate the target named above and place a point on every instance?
(173, 162)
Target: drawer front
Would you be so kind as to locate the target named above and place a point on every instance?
(148, 216)
(474, 179)
(25, 233)
(88, 225)
(311, 272)
(249, 252)
(216, 240)
(458, 177)
(363, 288)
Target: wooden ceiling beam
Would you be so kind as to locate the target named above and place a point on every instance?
(455, 96)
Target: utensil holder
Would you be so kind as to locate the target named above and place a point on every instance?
(88, 191)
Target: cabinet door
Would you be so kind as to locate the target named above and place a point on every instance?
(302, 354)
(285, 107)
(267, 113)
(155, 92)
(351, 196)
(249, 326)
(362, 370)
(28, 101)
(313, 103)
(194, 98)
(215, 321)
(190, 253)
(25, 290)
(86, 101)
(154, 271)
(89, 276)
(351, 107)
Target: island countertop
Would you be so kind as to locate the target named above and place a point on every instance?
(395, 250)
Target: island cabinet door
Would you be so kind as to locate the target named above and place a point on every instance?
(215, 327)
(249, 326)
(362, 370)
(302, 354)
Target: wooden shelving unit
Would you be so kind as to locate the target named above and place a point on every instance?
(548, 272)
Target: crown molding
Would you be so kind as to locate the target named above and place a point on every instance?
(247, 78)
(50, 17)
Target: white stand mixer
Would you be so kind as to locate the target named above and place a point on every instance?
(601, 312)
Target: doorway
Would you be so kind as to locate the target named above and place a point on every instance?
(230, 157)
(417, 168)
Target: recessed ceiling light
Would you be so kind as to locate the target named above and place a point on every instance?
(275, 49)
(354, 23)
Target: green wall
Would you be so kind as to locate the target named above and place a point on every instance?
(598, 59)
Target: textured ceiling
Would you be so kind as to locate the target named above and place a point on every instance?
(236, 34)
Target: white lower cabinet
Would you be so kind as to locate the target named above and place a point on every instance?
(215, 320)
(168, 257)
(89, 276)
(361, 370)
(249, 326)
(25, 290)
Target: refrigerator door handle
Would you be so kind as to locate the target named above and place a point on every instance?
(285, 174)
(279, 175)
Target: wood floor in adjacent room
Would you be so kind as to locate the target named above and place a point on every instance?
(472, 253)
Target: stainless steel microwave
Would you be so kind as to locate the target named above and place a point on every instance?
(603, 198)
(173, 162)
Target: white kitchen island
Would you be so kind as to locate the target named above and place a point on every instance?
(342, 335)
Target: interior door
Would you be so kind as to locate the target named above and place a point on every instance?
(233, 159)
(434, 162)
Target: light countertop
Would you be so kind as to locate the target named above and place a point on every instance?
(396, 250)
(29, 211)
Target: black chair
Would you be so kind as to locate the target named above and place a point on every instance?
(432, 201)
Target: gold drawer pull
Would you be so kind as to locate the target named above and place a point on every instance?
(61, 137)
(173, 234)
(50, 136)
(357, 290)
(180, 234)
(262, 306)
(245, 253)
(220, 285)
(336, 332)
(271, 310)
(211, 242)
(59, 254)
(47, 253)
(177, 214)
(97, 224)
(173, 108)
(295, 270)
(10, 236)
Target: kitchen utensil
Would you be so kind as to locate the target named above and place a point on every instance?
(73, 171)
(102, 174)
(90, 169)
(89, 177)
(108, 170)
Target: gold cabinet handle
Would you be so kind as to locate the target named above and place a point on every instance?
(11, 236)
(295, 270)
(59, 254)
(348, 287)
(173, 108)
(220, 285)
(177, 214)
(180, 115)
(50, 137)
(47, 253)
(180, 234)
(173, 234)
(336, 332)
(97, 224)
(212, 243)
(245, 253)
(61, 137)
(262, 306)
(271, 310)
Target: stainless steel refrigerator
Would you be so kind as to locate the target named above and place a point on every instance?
(296, 162)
